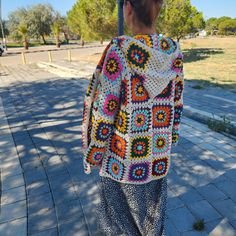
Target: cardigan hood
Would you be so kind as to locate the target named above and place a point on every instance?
(157, 69)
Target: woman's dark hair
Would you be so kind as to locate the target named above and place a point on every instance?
(146, 11)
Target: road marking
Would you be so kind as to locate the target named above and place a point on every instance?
(220, 98)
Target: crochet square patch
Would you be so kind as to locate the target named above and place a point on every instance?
(141, 120)
(161, 143)
(118, 146)
(166, 93)
(94, 156)
(124, 92)
(102, 131)
(145, 39)
(112, 67)
(111, 105)
(179, 86)
(115, 168)
(162, 116)
(178, 114)
(138, 92)
(122, 121)
(160, 166)
(139, 172)
(166, 45)
(177, 64)
(140, 147)
(137, 55)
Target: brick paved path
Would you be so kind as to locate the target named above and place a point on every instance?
(44, 190)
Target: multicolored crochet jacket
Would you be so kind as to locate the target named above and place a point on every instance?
(132, 109)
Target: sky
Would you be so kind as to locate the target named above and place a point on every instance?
(210, 8)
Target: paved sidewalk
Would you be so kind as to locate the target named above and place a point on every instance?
(42, 140)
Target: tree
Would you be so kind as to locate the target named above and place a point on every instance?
(15, 19)
(23, 32)
(211, 25)
(5, 29)
(227, 27)
(39, 20)
(178, 18)
(93, 19)
(57, 27)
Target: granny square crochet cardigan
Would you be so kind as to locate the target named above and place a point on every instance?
(133, 108)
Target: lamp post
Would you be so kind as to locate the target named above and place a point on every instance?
(120, 17)
(1, 24)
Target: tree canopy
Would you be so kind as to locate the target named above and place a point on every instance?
(93, 19)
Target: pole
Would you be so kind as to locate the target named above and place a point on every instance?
(3, 35)
(120, 17)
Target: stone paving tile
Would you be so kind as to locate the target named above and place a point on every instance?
(42, 220)
(73, 228)
(62, 195)
(13, 211)
(34, 176)
(191, 196)
(69, 211)
(171, 229)
(229, 189)
(49, 232)
(38, 188)
(14, 228)
(14, 181)
(211, 193)
(182, 219)
(203, 210)
(220, 228)
(13, 195)
(41, 203)
(223, 206)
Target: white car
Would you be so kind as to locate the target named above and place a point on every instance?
(1, 50)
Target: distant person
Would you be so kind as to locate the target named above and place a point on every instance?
(132, 112)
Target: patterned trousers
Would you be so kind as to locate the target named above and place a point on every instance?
(132, 210)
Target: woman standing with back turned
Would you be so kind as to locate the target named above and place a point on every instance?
(132, 113)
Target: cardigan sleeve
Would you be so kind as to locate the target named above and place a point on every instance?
(178, 98)
(105, 104)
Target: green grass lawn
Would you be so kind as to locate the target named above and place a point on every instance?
(211, 60)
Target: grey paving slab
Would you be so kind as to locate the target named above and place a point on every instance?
(41, 221)
(219, 228)
(229, 189)
(69, 211)
(13, 211)
(38, 188)
(211, 193)
(182, 219)
(226, 208)
(13, 195)
(14, 181)
(49, 232)
(203, 210)
(41, 203)
(14, 228)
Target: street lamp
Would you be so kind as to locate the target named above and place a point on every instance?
(1, 24)
(120, 17)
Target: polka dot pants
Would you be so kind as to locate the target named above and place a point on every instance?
(132, 210)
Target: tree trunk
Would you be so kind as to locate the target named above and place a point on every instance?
(58, 44)
(26, 44)
(44, 41)
(66, 37)
(101, 40)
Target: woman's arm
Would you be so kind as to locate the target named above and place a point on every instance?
(101, 107)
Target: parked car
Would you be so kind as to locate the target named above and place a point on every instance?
(1, 50)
